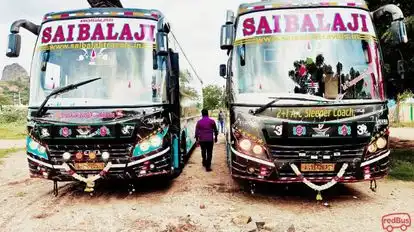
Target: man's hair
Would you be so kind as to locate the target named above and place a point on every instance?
(204, 112)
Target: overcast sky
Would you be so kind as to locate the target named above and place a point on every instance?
(196, 24)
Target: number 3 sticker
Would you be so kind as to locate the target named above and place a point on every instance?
(362, 129)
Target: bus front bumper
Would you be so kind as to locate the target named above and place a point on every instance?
(287, 171)
(159, 163)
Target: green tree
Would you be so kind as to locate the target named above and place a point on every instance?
(185, 79)
(5, 100)
(213, 97)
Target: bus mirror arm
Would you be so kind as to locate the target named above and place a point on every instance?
(33, 28)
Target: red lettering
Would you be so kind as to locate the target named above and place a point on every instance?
(248, 27)
(291, 23)
(263, 27)
(364, 23)
(59, 36)
(47, 35)
(338, 24)
(126, 33)
(307, 25)
(152, 34)
(356, 25)
(98, 33)
(70, 33)
(321, 26)
(84, 32)
(111, 36)
(276, 19)
(140, 36)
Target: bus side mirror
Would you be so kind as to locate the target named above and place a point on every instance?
(162, 44)
(226, 37)
(14, 45)
(223, 70)
(399, 32)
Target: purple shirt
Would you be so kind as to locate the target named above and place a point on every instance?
(205, 129)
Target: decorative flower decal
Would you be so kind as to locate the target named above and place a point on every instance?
(65, 132)
(344, 130)
(299, 130)
(103, 131)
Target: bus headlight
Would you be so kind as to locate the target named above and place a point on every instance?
(249, 147)
(148, 145)
(35, 148)
(156, 141)
(245, 144)
(144, 146)
(381, 142)
(257, 150)
(372, 148)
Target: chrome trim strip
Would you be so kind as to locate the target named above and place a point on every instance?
(148, 158)
(112, 166)
(40, 162)
(375, 159)
(252, 158)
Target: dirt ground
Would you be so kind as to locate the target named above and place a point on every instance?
(195, 201)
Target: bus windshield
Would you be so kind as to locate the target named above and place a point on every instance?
(126, 69)
(307, 52)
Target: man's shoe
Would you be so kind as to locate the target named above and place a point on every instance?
(204, 163)
(209, 169)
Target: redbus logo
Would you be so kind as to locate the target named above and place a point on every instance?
(396, 221)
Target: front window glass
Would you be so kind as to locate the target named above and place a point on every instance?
(126, 69)
(297, 57)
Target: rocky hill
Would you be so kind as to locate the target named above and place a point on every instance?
(14, 81)
(14, 72)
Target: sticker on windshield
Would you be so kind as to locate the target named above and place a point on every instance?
(305, 22)
(120, 29)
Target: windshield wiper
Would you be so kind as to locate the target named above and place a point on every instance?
(41, 111)
(264, 107)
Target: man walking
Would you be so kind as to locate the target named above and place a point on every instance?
(221, 121)
(205, 130)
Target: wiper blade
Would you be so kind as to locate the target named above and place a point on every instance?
(41, 111)
(264, 107)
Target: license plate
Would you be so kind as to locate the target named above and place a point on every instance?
(89, 166)
(317, 167)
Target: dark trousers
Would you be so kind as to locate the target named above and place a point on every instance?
(206, 152)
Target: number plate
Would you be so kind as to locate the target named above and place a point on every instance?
(317, 167)
(89, 166)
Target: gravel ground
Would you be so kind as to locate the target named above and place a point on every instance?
(195, 201)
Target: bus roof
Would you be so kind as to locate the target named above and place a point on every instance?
(104, 12)
(278, 4)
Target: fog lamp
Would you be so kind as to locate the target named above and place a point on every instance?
(66, 156)
(92, 155)
(381, 142)
(105, 155)
(79, 155)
